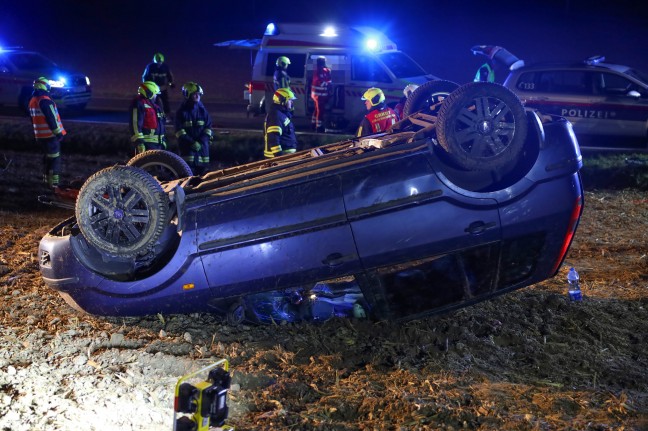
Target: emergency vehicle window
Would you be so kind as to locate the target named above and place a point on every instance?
(527, 82)
(365, 68)
(566, 81)
(401, 65)
(615, 84)
(297, 66)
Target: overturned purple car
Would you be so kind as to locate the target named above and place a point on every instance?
(469, 197)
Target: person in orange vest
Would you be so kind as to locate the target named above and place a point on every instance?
(321, 87)
(380, 117)
(48, 129)
(146, 120)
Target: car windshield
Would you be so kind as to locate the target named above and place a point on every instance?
(637, 74)
(30, 61)
(401, 65)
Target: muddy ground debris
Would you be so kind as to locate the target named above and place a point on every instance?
(527, 360)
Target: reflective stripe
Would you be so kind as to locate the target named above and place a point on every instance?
(274, 129)
(39, 120)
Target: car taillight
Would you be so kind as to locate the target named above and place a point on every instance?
(569, 235)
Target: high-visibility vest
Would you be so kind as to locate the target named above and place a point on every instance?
(41, 128)
(382, 120)
(321, 82)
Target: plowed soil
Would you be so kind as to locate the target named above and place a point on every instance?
(529, 360)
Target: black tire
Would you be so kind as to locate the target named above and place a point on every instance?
(162, 165)
(482, 126)
(122, 211)
(236, 314)
(428, 97)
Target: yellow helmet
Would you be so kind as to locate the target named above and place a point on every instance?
(374, 95)
(283, 61)
(42, 83)
(148, 89)
(158, 58)
(190, 88)
(282, 96)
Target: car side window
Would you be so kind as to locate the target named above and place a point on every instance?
(613, 84)
(364, 68)
(556, 81)
(297, 64)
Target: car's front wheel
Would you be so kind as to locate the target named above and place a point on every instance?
(122, 211)
(482, 126)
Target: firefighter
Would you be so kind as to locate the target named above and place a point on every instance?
(146, 120)
(279, 131)
(281, 77)
(194, 129)
(380, 118)
(48, 130)
(321, 88)
(407, 92)
(160, 73)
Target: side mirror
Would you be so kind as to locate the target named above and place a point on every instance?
(634, 94)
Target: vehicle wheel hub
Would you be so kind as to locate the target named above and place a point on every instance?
(118, 214)
(485, 127)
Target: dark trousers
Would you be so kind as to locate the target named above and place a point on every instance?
(51, 160)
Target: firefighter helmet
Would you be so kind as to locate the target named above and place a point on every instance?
(42, 83)
(190, 88)
(282, 96)
(320, 62)
(148, 89)
(409, 89)
(283, 62)
(158, 58)
(374, 95)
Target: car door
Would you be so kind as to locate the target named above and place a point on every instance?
(407, 224)
(285, 236)
(620, 112)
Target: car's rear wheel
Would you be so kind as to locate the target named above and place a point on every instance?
(162, 165)
(482, 125)
(122, 211)
(428, 97)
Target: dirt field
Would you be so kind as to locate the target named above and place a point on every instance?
(530, 360)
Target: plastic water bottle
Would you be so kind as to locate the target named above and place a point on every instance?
(574, 285)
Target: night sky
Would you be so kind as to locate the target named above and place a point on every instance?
(119, 37)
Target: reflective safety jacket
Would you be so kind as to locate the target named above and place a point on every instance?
(321, 83)
(381, 118)
(279, 132)
(193, 124)
(158, 73)
(45, 116)
(146, 121)
(281, 79)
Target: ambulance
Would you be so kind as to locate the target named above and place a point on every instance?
(359, 58)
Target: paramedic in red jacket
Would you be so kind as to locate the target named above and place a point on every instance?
(321, 88)
(48, 129)
(380, 117)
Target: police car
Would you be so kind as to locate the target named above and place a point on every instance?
(602, 100)
(19, 68)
